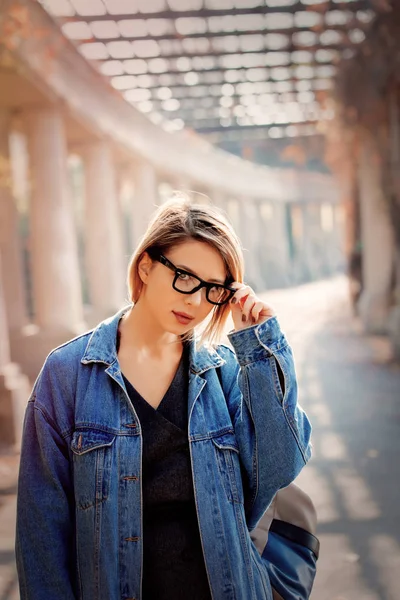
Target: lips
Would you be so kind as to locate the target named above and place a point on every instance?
(183, 318)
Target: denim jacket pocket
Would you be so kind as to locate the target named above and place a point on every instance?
(92, 458)
(227, 458)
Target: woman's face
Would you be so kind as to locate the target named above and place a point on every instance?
(175, 312)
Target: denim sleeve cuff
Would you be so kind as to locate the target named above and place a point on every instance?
(258, 341)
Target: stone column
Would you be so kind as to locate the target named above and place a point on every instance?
(55, 271)
(261, 236)
(296, 233)
(165, 190)
(105, 254)
(180, 183)
(276, 264)
(11, 251)
(310, 249)
(220, 199)
(336, 254)
(233, 213)
(5, 342)
(14, 387)
(377, 241)
(146, 198)
(201, 195)
(248, 233)
(394, 120)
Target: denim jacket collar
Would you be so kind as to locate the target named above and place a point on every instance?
(101, 347)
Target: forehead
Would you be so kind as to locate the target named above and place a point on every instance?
(199, 258)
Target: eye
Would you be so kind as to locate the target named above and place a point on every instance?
(218, 293)
(183, 276)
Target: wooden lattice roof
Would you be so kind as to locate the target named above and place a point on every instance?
(219, 65)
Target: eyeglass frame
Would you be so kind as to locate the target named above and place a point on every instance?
(206, 284)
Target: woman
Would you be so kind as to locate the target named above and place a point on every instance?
(148, 455)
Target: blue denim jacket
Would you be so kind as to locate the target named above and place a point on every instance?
(79, 511)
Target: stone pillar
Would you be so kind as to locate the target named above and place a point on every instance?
(13, 278)
(394, 120)
(377, 241)
(55, 270)
(276, 264)
(260, 234)
(165, 190)
(56, 284)
(5, 342)
(219, 199)
(336, 254)
(233, 213)
(105, 254)
(296, 233)
(180, 183)
(310, 243)
(14, 387)
(201, 195)
(146, 198)
(248, 230)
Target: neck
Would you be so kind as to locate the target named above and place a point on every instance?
(141, 331)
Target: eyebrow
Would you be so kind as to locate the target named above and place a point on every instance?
(198, 277)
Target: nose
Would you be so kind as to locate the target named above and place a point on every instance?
(196, 298)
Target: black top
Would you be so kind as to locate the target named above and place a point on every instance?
(173, 562)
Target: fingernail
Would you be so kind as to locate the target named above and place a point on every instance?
(234, 300)
(244, 318)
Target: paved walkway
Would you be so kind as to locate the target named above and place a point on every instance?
(351, 392)
(8, 477)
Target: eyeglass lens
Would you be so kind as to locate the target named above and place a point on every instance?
(187, 283)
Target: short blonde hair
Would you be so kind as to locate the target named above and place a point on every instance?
(177, 221)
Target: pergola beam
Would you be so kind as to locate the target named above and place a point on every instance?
(173, 86)
(290, 48)
(236, 98)
(206, 13)
(219, 128)
(220, 34)
(252, 134)
(230, 69)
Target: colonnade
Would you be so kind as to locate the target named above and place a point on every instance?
(54, 269)
(61, 107)
(41, 290)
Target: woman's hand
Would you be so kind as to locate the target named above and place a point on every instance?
(247, 309)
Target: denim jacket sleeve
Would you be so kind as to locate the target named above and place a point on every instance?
(45, 514)
(273, 432)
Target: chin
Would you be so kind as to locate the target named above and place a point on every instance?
(180, 330)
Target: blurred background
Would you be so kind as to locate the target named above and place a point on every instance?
(285, 114)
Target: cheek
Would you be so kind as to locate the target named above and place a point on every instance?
(205, 311)
(166, 298)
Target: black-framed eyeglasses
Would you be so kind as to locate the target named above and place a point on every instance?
(187, 283)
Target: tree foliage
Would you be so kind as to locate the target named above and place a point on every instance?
(367, 100)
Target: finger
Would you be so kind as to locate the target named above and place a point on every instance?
(236, 285)
(247, 306)
(256, 310)
(267, 310)
(241, 293)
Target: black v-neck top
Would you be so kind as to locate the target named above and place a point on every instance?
(173, 562)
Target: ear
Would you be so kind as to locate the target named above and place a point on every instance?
(144, 267)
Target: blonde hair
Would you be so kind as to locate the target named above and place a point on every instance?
(177, 221)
